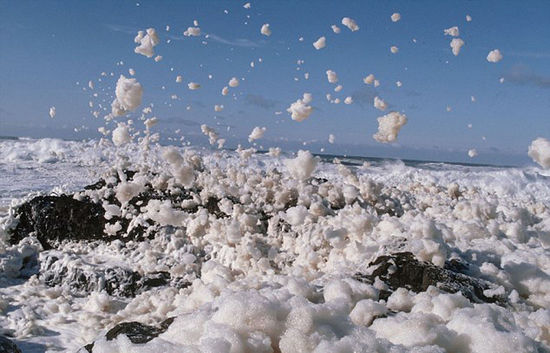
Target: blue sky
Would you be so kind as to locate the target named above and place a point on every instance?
(49, 46)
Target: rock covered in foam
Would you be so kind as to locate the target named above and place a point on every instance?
(403, 270)
(136, 332)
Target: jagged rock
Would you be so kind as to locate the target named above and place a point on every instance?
(54, 219)
(7, 346)
(404, 270)
(138, 333)
(116, 281)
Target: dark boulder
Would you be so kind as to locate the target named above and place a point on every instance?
(53, 219)
(136, 332)
(7, 346)
(403, 270)
(116, 281)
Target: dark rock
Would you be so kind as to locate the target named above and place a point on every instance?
(116, 281)
(97, 185)
(54, 219)
(403, 270)
(138, 333)
(7, 346)
(213, 208)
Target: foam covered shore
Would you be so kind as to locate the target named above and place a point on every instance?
(260, 253)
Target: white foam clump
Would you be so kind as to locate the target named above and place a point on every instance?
(394, 49)
(274, 151)
(468, 18)
(193, 86)
(389, 126)
(192, 32)
(456, 44)
(183, 172)
(234, 82)
(338, 88)
(539, 151)
(211, 133)
(121, 135)
(247, 5)
(158, 58)
(379, 104)
(179, 79)
(225, 91)
(147, 41)
(320, 43)
(331, 76)
(302, 166)
(300, 110)
(369, 79)
(331, 138)
(348, 100)
(452, 31)
(365, 311)
(335, 29)
(472, 153)
(128, 94)
(348, 22)
(52, 112)
(494, 56)
(265, 30)
(257, 133)
(218, 107)
(395, 17)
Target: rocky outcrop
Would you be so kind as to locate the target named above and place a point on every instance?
(53, 219)
(7, 346)
(136, 332)
(403, 270)
(116, 281)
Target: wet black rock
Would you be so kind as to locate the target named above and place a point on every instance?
(116, 281)
(136, 332)
(7, 346)
(403, 270)
(53, 219)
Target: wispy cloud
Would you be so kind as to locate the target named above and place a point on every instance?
(364, 96)
(121, 28)
(528, 54)
(260, 101)
(239, 42)
(178, 120)
(524, 76)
